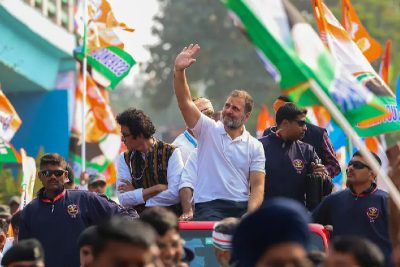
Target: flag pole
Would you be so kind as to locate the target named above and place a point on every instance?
(345, 125)
(84, 67)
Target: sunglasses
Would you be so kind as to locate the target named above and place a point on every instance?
(357, 165)
(300, 123)
(49, 173)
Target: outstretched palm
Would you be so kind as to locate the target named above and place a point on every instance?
(186, 57)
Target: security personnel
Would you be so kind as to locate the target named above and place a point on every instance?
(58, 216)
(360, 210)
(288, 161)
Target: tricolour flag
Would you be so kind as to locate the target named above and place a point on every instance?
(8, 154)
(101, 25)
(351, 22)
(28, 178)
(9, 119)
(352, 59)
(102, 134)
(111, 62)
(292, 46)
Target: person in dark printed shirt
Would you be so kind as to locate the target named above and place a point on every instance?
(317, 137)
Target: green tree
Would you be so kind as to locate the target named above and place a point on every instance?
(226, 61)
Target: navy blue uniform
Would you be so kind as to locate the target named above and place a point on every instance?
(57, 224)
(364, 215)
(286, 167)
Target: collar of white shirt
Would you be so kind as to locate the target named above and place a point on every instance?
(243, 137)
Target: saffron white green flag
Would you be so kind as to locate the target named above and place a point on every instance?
(298, 55)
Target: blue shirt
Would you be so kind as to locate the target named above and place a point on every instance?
(286, 167)
(364, 215)
(58, 223)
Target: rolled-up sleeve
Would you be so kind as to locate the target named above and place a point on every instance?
(174, 171)
(130, 198)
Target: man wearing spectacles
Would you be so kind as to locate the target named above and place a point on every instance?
(361, 209)
(288, 160)
(148, 174)
(58, 216)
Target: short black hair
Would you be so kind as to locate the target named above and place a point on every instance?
(137, 122)
(119, 229)
(52, 159)
(378, 159)
(290, 112)
(284, 98)
(88, 236)
(15, 219)
(366, 253)
(161, 219)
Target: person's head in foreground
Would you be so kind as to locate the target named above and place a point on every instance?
(124, 243)
(28, 252)
(169, 241)
(86, 241)
(276, 234)
(351, 251)
(222, 239)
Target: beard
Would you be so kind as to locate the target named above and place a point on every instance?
(232, 123)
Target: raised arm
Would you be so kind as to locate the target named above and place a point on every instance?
(183, 61)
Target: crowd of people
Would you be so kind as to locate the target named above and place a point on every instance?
(262, 194)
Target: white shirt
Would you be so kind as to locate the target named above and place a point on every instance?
(223, 164)
(186, 143)
(189, 173)
(165, 198)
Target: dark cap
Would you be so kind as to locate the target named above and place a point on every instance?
(93, 178)
(278, 221)
(25, 250)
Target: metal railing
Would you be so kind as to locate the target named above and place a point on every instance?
(61, 12)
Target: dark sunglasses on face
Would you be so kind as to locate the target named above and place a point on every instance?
(49, 173)
(301, 123)
(357, 165)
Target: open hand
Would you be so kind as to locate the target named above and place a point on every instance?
(186, 57)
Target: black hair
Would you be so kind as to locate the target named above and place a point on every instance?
(137, 122)
(88, 236)
(227, 226)
(15, 219)
(358, 153)
(4, 225)
(123, 230)
(161, 219)
(290, 112)
(366, 253)
(52, 159)
(284, 98)
(71, 174)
